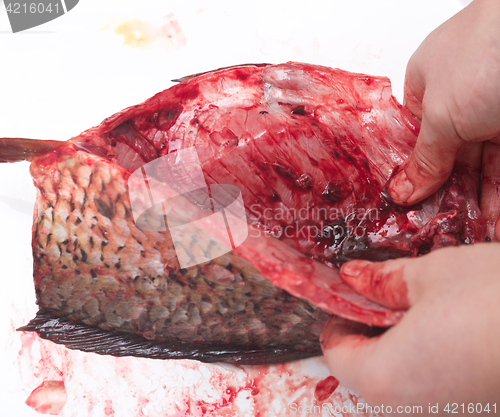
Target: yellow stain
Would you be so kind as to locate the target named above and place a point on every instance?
(136, 33)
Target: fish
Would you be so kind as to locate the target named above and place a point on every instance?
(308, 148)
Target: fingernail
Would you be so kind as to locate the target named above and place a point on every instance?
(400, 187)
(353, 269)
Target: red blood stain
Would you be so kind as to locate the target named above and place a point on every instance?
(142, 402)
(226, 400)
(190, 92)
(48, 398)
(377, 284)
(167, 116)
(241, 74)
(44, 367)
(27, 340)
(108, 409)
(367, 79)
(279, 385)
(225, 138)
(254, 388)
(325, 388)
(283, 382)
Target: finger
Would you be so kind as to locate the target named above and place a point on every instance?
(490, 189)
(469, 158)
(346, 348)
(381, 282)
(429, 165)
(338, 329)
(413, 89)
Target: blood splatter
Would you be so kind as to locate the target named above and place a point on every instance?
(48, 398)
(325, 388)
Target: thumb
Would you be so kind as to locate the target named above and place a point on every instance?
(380, 282)
(356, 354)
(429, 165)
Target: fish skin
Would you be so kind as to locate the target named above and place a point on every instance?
(289, 136)
(92, 265)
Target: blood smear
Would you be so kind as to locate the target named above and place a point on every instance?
(48, 398)
(325, 388)
(99, 386)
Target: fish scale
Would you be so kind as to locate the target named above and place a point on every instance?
(107, 273)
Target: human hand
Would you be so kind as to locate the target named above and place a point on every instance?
(453, 86)
(446, 349)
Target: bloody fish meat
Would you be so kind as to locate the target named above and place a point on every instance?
(311, 150)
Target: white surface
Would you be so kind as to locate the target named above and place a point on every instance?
(61, 78)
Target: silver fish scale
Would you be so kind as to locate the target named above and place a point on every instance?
(93, 265)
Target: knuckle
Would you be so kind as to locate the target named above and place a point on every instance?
(427, 165)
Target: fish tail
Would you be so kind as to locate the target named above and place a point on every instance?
(18, 149)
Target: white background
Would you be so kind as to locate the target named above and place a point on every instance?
(67, 75)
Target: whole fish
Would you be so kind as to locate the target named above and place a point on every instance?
(310, 149)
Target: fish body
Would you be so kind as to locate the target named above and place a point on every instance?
(309, 147)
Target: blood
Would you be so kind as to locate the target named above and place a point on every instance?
(286, 387)
(325, 388)
(167, 116)
(190, 92)
(226, 400)
(48, 398)
(241, 74)
(143, 387)
(224, 139)
(108, 409)
(377, 284)
(299, 110)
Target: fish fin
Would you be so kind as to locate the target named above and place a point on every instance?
(87, 338)
(190, 77)
(18, 149)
